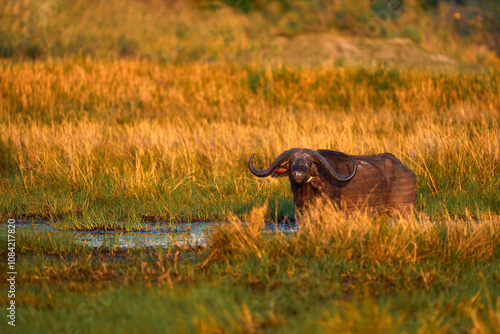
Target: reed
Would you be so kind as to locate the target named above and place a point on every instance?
(336, 272)
(324, 231)
(152, 114)
(131, 140)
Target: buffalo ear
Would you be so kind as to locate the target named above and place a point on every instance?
(317, 182)
(280, 171)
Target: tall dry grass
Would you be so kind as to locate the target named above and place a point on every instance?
(366, 273)
(152, 113)
(134, 139)
(357, 237)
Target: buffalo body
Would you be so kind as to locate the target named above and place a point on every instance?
(359, 182)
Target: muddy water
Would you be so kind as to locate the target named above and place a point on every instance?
(156, 235)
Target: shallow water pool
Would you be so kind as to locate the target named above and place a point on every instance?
(151, 235)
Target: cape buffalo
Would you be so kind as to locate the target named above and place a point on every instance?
(367, 182)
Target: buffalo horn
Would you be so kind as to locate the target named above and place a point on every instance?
(326, 165)
(278, 161)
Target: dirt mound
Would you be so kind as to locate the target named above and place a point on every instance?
(327, 50)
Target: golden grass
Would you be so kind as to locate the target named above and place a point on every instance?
(152, 114)
(156, 132)
(324, 231)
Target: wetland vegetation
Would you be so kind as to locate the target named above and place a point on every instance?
(105, 128)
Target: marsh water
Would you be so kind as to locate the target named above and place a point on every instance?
(151, 234)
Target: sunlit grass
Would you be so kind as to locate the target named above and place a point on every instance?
(336, 272)
(324, 231)
(130, 140)
(151, 114)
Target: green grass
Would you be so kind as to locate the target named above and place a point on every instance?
(349, 274)
(152, 113)
(171, 143)
(226, 307)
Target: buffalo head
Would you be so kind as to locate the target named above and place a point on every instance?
(301, 165)
(303, 168)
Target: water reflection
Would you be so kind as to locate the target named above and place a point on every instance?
(151, 235)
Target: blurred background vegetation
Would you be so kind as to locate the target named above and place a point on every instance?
(466, 31)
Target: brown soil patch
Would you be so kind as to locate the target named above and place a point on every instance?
(328, 50)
